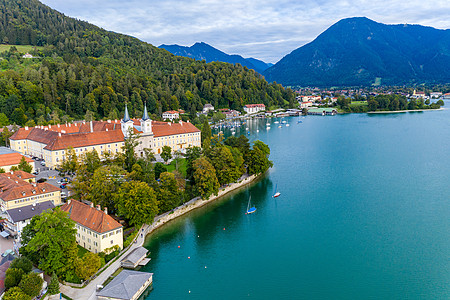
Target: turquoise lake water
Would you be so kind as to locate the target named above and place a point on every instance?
(364, 213)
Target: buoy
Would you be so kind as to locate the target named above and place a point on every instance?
(205, 267)
(224, 228)
(189, 257)
(179, 247)
(198, 236)
(189, 291)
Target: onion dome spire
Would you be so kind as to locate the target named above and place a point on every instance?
(145, 116)
(126, 117)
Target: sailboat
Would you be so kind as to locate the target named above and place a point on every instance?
(276, 194)
(252, 209)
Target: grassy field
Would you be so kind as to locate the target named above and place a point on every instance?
(81, 251)
(181, 166)
(20, 48)
(358, 103)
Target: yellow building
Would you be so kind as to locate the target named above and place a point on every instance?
(96, 230)
(9, 160)
(51, 142)
(19, 189)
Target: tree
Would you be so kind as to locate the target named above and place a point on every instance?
(4, 120)
(206, 134)
(54, 240)
(159, 168)
(440, 102)
(258, 158)
(22, 263)
(130, 145)
(136, 201)
(70, 162)
(166, 153)
(53, 287)
(104, 185)
(224, 164)
(372, 104)
(168, 196)
(13, 277)
(88, 265)
(15, 294)
(6, 134)
(192, 153)
(24, 165)
(31, 284)
(205, 178)
(18, 116)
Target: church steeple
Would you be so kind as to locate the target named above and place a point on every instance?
(146, 122)
(126, 117)
(126, 123)
(145, 116)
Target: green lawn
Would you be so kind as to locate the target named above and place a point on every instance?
(358, 103)
(20, 48)
(181, 166)
(81, 251)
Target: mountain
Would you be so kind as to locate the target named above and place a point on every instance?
(203, 51)
(359, 51)
(82, 70)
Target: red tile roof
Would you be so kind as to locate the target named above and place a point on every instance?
(85, 139)
(163, 128)
(9, 159)
(255, 105)
(171, 112)
(12, 189)
(90, 217)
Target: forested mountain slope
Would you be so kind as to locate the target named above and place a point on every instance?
(85, 68)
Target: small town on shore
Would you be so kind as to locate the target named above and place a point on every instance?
(78, 199)
(109, 183)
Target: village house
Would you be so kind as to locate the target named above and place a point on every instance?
(207, 108)
(254, 108)
(96, 230)
(171, 115)
(9, 160)
(306, 104)
(18, 218)
(19, 189)
(51, 142)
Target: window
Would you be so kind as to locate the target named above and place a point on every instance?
(112, 242)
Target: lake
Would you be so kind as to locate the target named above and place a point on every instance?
(364, 212)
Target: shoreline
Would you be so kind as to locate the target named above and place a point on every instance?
(403, 111)
(195, 203)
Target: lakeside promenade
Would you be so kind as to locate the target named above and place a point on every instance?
(89, 291)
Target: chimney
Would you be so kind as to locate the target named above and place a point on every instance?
(59, 125)
(70, 125)
(109, 121)
(181, 123)
(91, 205)
(106, 210)
(12, 172)
(92, 127)
(63, 131)
(170, 124)
(68, 201)
(49, 126)
(26, 127)
(106, 129)
(98, 207)
(59, 133)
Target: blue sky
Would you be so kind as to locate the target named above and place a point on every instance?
(263, 29)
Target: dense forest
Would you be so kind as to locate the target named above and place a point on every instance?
(79, 69)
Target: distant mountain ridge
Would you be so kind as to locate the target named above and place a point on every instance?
(203, 51)
(359, 51)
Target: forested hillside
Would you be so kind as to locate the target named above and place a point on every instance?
(83, 68)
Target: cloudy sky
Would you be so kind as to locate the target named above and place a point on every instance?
(263, 29)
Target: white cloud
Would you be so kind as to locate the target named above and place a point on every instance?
(265, 29)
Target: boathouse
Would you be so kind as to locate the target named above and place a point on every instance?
(323, 111)
(135, 258)
(128, 285)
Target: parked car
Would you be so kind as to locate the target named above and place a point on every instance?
(35, 172)
(42, 163)
(41, 180)
(62, 186)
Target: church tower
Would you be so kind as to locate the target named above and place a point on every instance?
(146, 122)
(126, 123)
